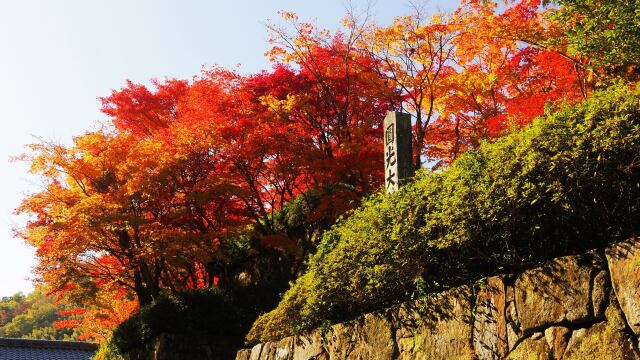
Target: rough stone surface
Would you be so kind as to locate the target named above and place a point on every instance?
(513, 329)
(370, 337)
(606, 340)
(510, 294)
(436, 328)
(490, 325)
(309, 347)
(530, 319)
(278, 350)
(513, 335)
(599, 294)
(376, 340)
(341, 341)
(537, 336)
(243, 354)
(623, 259)
(256, 351)
(512, 313)
(555, 293)
(557, 338)
(530, 349)
(576, 337)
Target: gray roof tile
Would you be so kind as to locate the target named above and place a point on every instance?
(24, 349)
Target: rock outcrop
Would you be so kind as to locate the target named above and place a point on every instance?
(574, 307)
(624, 264)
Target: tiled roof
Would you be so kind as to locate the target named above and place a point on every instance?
(23, 349)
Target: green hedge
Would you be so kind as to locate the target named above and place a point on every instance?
(567, 183)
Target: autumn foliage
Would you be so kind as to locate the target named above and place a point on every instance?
(227, 180)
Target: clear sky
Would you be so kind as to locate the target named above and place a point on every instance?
(58, 56)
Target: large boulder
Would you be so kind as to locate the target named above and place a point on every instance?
(533, 348)
(369, 337)
(606, 340)
(437, 327)
(243, 354)
(600, 293)
(489, 325)
(278, 350)
(557, 338)
(309, 346)
(256, 352)
(558, 292)
(624, 266)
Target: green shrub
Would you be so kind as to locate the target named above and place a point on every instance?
(565, 184)
(223, 313)
(208, 311)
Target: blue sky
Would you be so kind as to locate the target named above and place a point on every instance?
(58, 56)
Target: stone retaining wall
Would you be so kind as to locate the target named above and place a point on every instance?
(574, 307)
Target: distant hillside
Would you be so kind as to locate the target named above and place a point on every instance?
(32, 317)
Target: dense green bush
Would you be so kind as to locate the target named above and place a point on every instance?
(567, 183)
(222, 313)
(209, 311)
